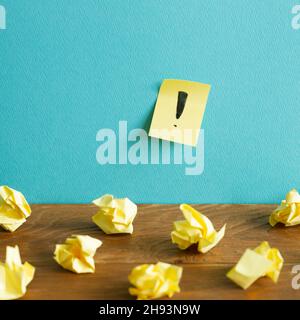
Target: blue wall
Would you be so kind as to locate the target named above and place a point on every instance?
(70, 68)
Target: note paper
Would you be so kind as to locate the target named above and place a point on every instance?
(115, 215)
(153, 281)
(14, 209)
(179, 111)
(195, 229)
(77, 253)
(288, 213)
(14, 276)
(260, 262)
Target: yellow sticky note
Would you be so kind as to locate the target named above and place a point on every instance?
(288, 213)
(77, 253)
(179, 111)
(195, 229)
(257, 263)
(153, 281)
(14, 276)
(14, 209)
(115, 215)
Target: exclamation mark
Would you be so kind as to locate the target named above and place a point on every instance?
(181, 100)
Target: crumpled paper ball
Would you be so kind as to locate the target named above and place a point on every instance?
(115, 215)
(77, 253)
(195, 229)
(288, 213)
(153, 281)
(260, 262)
(14, 276)
(14, 209)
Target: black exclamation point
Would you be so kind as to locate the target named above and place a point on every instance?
(182, 96)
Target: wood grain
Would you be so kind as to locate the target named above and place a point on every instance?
(203, 275)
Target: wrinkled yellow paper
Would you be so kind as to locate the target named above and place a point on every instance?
(196, 228)
(115, 215)
(14, 209)
(14, 276)
(288, 213)
(77, 253)
(153, 281)
(260, 262)
(184, 127)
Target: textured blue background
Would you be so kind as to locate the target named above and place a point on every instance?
(70, 68)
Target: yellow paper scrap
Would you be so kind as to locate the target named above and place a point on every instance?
(288, 213)
(196, 228)
(115, 215)
(14, 276)
(14, 209)
(77, 253)
(179, 111)
(260, 262)
(153, 281)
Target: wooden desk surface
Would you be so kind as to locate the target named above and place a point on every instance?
(203, 275)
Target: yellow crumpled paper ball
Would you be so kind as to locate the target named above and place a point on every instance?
(77, 253)
(288, 212)
(14, 209)
(196, 228)
(115, 215)
(14, 276)
(153, 281)
(260, 262)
